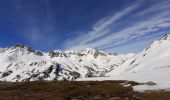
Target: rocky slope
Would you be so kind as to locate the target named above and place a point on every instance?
(22, 63)
(152, 64)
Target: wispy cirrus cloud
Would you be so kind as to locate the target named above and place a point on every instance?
(99, 29)
(139, 23)
(37, 20)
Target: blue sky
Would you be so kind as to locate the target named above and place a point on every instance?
(111, 25)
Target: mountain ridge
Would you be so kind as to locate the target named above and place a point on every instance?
(22, 63)
(151, 64)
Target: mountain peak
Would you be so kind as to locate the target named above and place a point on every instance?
(23, 46)
(19, 64)
(19, 45)
(166, 37)
(90, 50)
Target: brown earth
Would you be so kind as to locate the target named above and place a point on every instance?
(76, 90)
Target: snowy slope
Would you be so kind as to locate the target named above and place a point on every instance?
(21, 63)
(152, 64)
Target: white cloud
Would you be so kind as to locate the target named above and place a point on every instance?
(35, 36)
(137, 30)
(151, 19)
(100, 28)
(38, 29)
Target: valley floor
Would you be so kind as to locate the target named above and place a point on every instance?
(77, 90)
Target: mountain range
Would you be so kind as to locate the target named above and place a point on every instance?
(21, 63)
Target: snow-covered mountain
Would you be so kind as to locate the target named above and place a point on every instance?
(22, 63)
(152, 64)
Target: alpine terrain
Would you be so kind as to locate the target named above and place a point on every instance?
(22, 63)
(152, 64)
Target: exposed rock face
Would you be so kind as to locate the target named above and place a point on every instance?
(22, 63)
(151, 64)
(166, 37)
